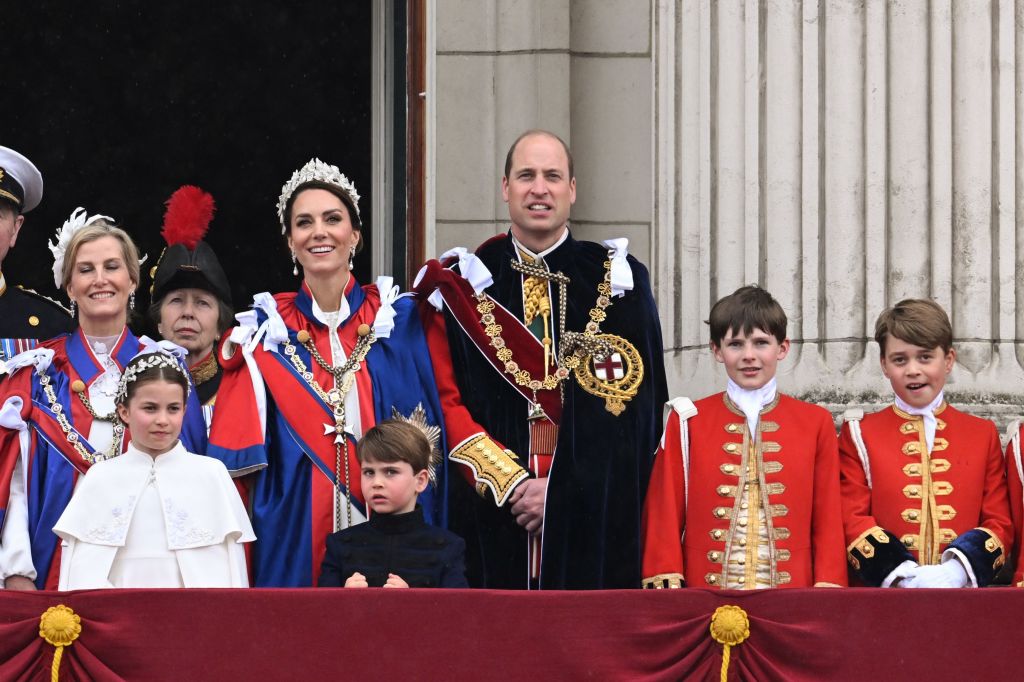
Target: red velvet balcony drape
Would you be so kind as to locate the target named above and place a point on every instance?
(837, 634)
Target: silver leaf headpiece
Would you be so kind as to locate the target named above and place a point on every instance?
(79, 219)
(148, 359)
(315, 170)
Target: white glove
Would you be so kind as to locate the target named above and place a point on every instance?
(950, 573)
(900, 574)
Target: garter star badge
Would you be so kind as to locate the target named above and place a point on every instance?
(615, 376)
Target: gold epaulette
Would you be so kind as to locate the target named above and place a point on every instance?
(672, 581)
(492, 465)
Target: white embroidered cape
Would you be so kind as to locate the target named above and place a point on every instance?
(203, 520)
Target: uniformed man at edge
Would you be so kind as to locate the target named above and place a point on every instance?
(25, 316)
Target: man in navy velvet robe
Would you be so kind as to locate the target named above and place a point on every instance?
(549, 361)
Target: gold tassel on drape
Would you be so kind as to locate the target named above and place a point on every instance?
(729, 627)
(59, 626)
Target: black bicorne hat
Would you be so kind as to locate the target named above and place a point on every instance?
(188, 262)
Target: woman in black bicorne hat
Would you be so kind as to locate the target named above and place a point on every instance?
(191, 298)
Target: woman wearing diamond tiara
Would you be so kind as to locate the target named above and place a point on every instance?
(307, 373)
(158, 515)
(57, 415)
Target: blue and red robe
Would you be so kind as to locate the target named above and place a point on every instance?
(269, 424)
(53, 464)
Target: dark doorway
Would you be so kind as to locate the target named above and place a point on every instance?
(120, 103)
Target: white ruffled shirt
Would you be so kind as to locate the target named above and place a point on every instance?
(175, 520)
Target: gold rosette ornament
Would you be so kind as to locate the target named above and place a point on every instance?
(59, 626)
(729, 627)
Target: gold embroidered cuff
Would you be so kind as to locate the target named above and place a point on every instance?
(494, 467)
(663, 581)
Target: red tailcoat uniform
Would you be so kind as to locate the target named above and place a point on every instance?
(918, 504)
(791, 462)
(1014, 474)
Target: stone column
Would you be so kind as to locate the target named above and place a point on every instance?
(579, 68)
(843, 155)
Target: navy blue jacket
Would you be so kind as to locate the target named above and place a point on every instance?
(403, 544)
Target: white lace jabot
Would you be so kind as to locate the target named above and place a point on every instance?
(927, 413)
(751, 401)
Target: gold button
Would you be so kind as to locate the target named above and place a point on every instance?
(77, 385)
(302, 336)
(480, 445)
(717, 534)
(743, 542)
(712, 579)
(909, 542)
(913, 515)
(731, 447)
(363, 330)
(742, 580)
(731, 428)
(742, 522)
(744, 505)
(742, 560)
(714, 556)
(33, 320)
(720, 513)
(728, 468)
(746, 486)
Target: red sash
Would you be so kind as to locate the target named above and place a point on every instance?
(528, 351)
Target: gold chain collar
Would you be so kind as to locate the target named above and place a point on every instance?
(78, 387)
(344, 377)
(574, 346)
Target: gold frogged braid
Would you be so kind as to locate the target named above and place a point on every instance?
(495, 467)
(535, 293)
(663, 581)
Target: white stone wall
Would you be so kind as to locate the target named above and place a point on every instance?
(842, 153)
(580, 68)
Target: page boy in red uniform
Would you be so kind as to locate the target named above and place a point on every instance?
(745, 488)
(924, 493)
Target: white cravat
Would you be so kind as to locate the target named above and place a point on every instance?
(927, 413)
(751, 401)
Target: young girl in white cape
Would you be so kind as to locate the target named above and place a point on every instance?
(158, 515)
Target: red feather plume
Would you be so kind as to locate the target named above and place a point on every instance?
(188, 216)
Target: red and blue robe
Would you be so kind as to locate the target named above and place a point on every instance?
(270, 426)
(53, 464)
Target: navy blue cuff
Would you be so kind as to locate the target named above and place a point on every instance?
(984, 551)
(876, 554)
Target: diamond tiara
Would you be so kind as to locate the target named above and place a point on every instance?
(315, 170)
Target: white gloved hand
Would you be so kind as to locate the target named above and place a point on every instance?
(950, 573)
(899, 575)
